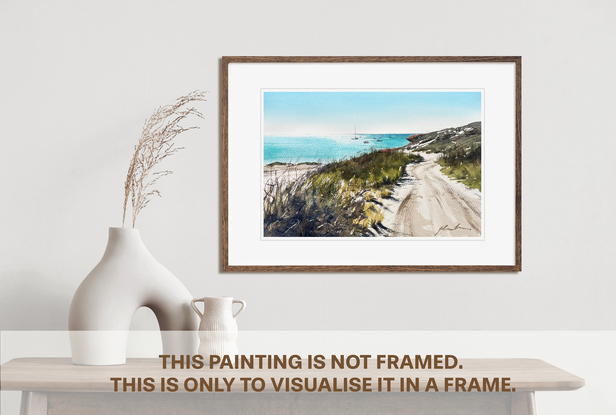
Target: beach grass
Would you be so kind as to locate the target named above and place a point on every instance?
(463, 164)
(373, 170)
(339, 199)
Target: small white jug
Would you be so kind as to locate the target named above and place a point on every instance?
(218, 329)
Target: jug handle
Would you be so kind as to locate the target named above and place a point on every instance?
(243, 303)
(194, 307)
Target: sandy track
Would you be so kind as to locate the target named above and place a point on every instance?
(427, 203)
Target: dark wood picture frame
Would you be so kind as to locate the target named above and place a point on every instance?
(516, 267)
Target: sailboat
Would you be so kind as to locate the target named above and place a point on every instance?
(355, 137)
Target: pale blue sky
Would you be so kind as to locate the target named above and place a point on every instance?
(312, 113)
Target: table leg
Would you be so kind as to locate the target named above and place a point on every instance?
(33, 403)
(523, 403)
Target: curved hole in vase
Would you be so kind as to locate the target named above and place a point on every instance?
(144, 337)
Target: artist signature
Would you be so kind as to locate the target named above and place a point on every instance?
(447, 228)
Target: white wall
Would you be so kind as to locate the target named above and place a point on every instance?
(77, 81)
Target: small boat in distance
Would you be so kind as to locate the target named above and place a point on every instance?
(366, 142)
(355, 137)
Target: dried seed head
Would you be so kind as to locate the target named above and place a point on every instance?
(156, 144)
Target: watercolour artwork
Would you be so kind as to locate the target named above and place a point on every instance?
(370, 163)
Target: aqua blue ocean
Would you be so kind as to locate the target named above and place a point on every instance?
(326, 149)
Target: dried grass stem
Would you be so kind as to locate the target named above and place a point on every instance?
(156, 144)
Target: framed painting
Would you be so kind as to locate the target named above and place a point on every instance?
(371, 164)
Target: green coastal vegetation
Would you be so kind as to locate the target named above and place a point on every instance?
(449, 138)
(339, 199)
(463, 164)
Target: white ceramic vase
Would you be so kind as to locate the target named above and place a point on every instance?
(218, 328)
(127, 278)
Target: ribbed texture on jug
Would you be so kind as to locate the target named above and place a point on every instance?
(218, 343)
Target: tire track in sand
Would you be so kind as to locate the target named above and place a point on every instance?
(433, 205)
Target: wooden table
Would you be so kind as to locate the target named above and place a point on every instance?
(56, 386)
